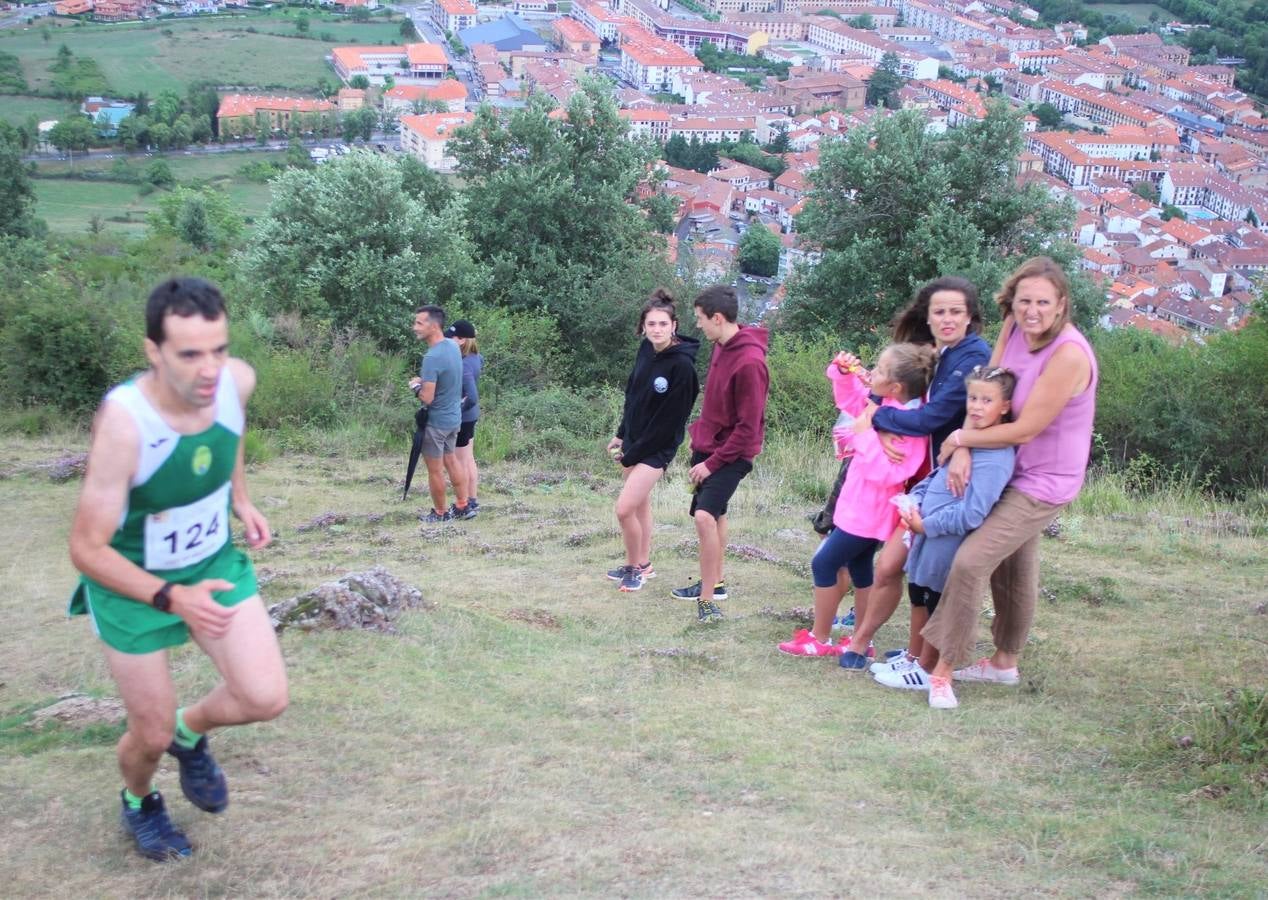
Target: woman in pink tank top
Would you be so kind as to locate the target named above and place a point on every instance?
(1053, 405)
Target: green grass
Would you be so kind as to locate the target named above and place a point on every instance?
(539, 734)
(1134, 12)
(141, 57)
(16, 109)
(68, 205)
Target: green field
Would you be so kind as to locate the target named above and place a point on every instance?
(538, 734)
(17, 109)
(168, 55)
(68, 205)
(1133, 12)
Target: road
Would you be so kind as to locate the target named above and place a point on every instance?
(17, 17)
(462, 67)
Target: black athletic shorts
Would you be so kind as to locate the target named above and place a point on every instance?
(466, 431)
(715, 492)
(658, 460)
(923, 596)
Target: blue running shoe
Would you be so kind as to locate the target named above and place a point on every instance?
(848, 621)
(155, 835)
(854, 661)
(201, 779)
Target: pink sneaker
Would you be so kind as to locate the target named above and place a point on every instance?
(941, 696)
(983, 671)
(806, 644)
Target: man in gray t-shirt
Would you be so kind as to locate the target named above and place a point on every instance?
(438, 386)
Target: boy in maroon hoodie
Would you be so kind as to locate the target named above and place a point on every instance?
(727, 436)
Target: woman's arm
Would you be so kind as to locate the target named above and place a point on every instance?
(1065, 375)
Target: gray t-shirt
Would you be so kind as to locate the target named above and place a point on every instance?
(443, 365)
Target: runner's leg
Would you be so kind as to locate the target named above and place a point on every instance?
(145, 685)
(249, 660)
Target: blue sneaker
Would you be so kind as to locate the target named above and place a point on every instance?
(155, 835)
(201, 779)
(848, 621)
(854, 661)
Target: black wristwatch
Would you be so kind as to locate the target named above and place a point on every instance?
(162, 600)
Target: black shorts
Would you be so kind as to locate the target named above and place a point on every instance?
(466, 431)
(923, 596)
(715, 492)
(658, 460)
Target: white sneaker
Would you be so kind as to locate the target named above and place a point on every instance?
(941, 695)
(889, 665)
(982, 671)
(908, 678)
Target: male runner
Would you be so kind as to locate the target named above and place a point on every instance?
(151, 537)
(727, 437)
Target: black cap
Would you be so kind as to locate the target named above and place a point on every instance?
(461, 328)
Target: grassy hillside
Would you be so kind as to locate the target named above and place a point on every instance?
(168, 55)
(539, 733)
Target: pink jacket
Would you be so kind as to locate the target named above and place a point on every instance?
(863, 509)
(850, 395)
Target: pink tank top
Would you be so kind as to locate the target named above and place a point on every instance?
(1052, 466)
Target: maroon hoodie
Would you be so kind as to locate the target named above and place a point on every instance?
(732, 419)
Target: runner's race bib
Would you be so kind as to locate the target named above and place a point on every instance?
(184, 535)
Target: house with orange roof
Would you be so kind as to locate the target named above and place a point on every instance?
(349, 99)
(73, 7)
(402, 98)
(453, 15)
(649, 62)
(411, 62)
(427, 138)
(242, 115)
(575, 37)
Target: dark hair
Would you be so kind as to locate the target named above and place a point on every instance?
(183, 297)
(1005, 378)
(912, 366)
(1038, 267)
(911, 323)
(661, 300)
(435, 313)
(718, 299)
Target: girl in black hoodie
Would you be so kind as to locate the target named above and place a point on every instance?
(659, 396)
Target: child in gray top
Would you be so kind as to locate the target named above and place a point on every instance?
(942, 521)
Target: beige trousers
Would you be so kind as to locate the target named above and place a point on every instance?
(1005, 550)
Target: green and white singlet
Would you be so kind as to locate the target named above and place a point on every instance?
(176, 524)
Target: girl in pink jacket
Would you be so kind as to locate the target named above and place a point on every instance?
(864, 517)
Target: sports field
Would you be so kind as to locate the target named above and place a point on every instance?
(169, 54)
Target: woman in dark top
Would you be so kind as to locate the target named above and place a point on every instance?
(659, 396)
(464, 335)
(945, 313)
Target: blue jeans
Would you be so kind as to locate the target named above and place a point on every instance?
(842, 549)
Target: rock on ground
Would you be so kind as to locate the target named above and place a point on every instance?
(371, 601)
(80, 711)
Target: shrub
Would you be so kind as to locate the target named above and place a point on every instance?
(292, 391)
(800, 401)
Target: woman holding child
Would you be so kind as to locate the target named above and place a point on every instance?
(1053, 405)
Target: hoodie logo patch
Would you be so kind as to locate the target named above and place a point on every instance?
(661, 384)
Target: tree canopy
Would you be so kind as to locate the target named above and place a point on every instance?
(893, 206)
(759, 251)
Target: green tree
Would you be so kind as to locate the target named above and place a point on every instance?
(75, 133)
(1048, 115)
(1145, 190)
(424, 185)
(345, 242)
(64, 59)
(885, 82)
(360, 82)
(167, 106)
(359, 14)
(302, 23)
(408, 31)
(865, 21)
(662, 212)
(17, 196)
(359, 124)
(759, 251)
(159, 174)
(919, 206)
(549, 211)
(202, 217)
(779, 140)
(1170, 212)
